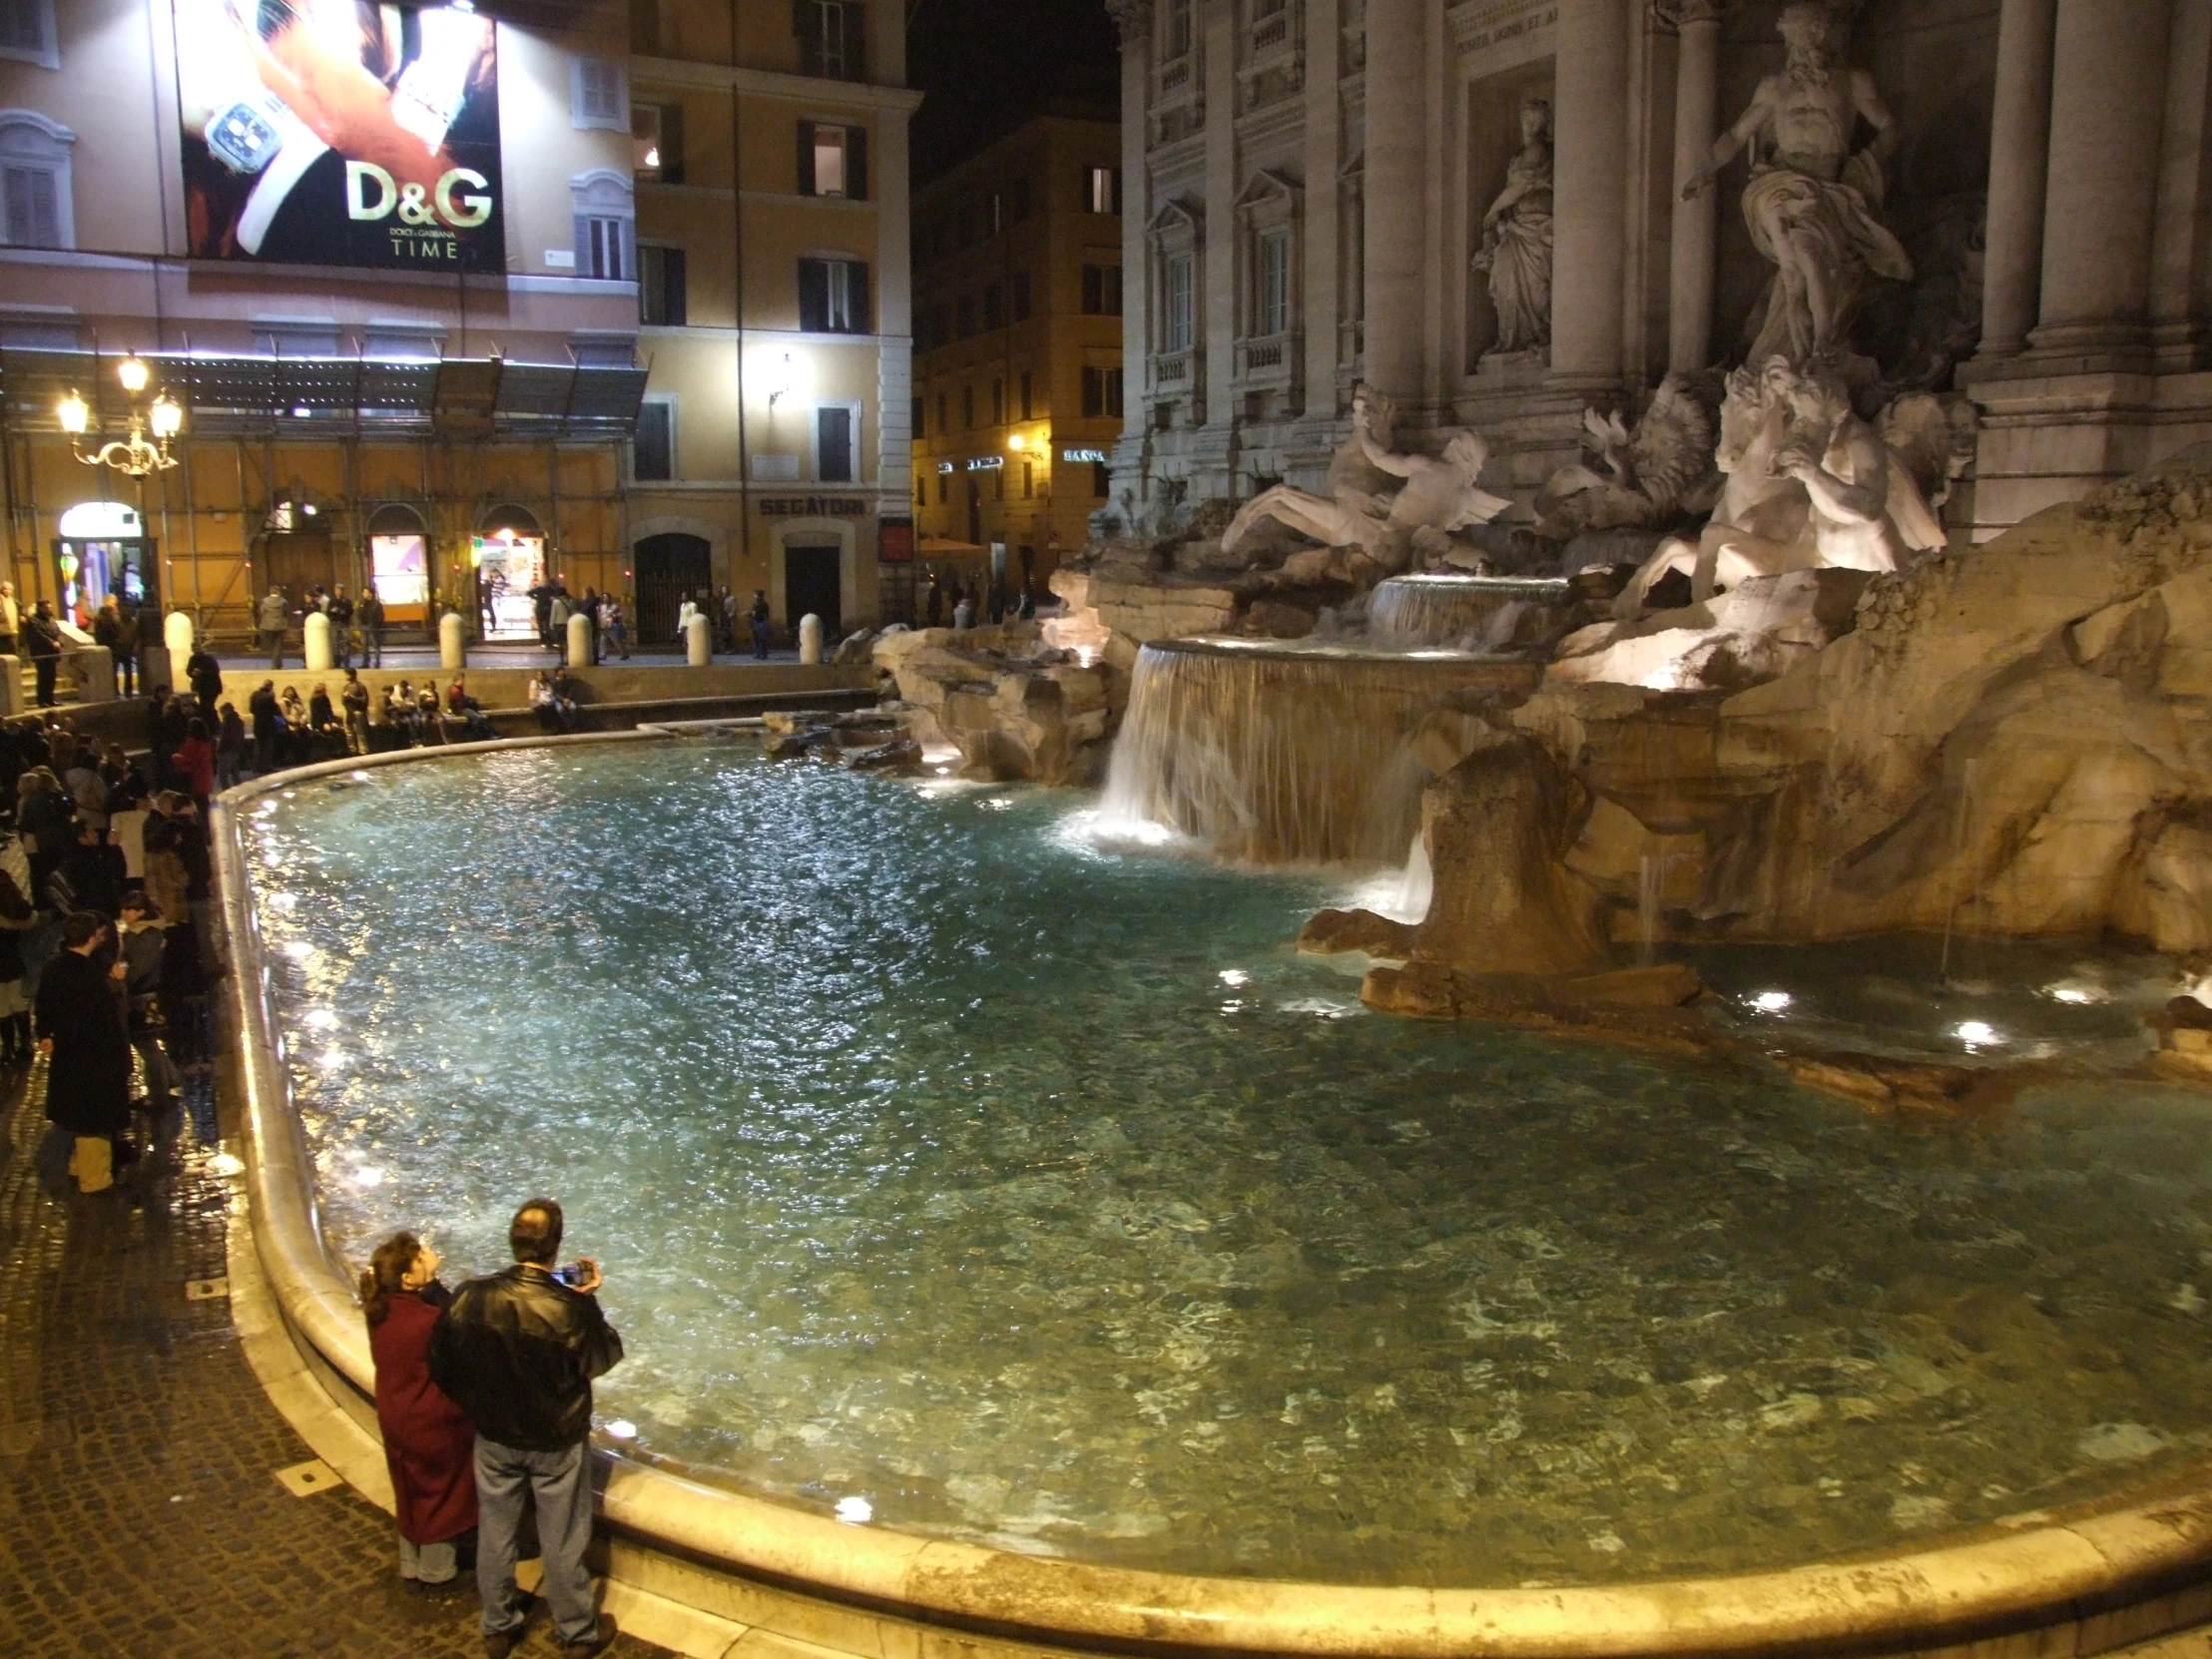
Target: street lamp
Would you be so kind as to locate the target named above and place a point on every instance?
(131, 454)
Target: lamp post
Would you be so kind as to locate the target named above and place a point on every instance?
(132, 454)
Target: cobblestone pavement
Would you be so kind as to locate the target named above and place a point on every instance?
(140, 1512)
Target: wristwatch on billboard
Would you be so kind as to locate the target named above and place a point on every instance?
(245, 136)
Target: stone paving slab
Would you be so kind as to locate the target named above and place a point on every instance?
(139, 1510)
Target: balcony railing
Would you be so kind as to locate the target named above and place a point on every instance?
(1266, 361)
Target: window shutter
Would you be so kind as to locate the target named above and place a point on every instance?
(855, 163)
(582, 244)
(671, 143)
(674, 296)
(813, 295)
(805, 158)
(863, 317)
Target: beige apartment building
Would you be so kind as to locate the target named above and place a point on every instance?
(454, 301)
(1018, 330)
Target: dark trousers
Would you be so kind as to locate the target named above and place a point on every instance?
(760, 640)
(45, 665)
(373, 648)
(126, 673)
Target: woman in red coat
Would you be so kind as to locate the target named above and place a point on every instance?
(429, 1445)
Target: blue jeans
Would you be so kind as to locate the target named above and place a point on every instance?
(560, 1484)
(760, 640)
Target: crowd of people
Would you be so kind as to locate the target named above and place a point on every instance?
(971, 604)
(356, 629)
(108, 934)
(484, 1399)
(551, 606)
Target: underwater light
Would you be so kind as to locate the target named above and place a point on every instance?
(2073, 993)
(1232, 977)
(856, 1511)
(622, 1429)
(1977, 1033)
(1772, 1003)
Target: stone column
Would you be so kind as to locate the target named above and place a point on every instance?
(1396, 235)
(2108, 109)
(1696, 222)
(2019, 166)
(1591, 167)
(1135, 19)
(2185, 190)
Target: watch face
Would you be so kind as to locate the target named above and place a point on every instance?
(242, 138)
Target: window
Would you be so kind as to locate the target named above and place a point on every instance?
(1102, 190)
(837, 456)
(27, 33)
(943, 425)
(967, 408)
(920, 409)
(1028, 480)
(997, 214)
(1021, 199)
(1102, 290)
(1175, 39)
(1272, 285)
(1101, 391)
(653, 453)
(944, 488)
(831, 35)
(965, 311)
(832, 296)
(604, 203)
(994, 306)
(596, 96)
(998, 483)
(645, 28)
(657, 142)
(1175, 302)
(35, 205)
(921, 492)
(999, 402)
(832, 159)
(1022, 297)
(1025, 404)
(661, 296)
(1098, 480)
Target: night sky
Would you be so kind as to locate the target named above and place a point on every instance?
(988, 65)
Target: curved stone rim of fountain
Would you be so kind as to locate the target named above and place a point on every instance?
(1308, 650)
(2082, 1572)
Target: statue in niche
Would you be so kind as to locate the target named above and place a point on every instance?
(1811, 202)
(1517, 238)
(1809, 485)
(1437, 496)
(1660, 472)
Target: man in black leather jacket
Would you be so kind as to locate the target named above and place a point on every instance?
(518, 1352)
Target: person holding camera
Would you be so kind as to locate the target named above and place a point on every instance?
(517, 1352)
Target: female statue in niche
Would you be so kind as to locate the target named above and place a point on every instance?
(1517, 238)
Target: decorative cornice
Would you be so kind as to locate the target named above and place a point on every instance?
(1132, 17)
(1673, 14)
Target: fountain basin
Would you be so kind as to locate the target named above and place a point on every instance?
(1297, 752)
(1485, 614)
(866, 1589)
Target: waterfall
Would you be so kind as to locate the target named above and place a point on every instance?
(1284, 754)
(1488, 612)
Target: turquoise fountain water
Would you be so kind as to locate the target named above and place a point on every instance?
(950, 1172)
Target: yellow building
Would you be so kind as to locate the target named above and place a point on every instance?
(426, 338)
(1017, 324)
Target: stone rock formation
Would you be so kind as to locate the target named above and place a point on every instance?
(1014, 707)
(1756, 630)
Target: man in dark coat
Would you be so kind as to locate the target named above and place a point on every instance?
(42, 637)
(269, 726)
(81, 1029)
(517, 1352)
(205, 675)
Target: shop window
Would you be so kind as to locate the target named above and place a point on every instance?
(654, 451)
(604, 205)
(662, 300)
(832, 159)
(836, 444)
(1102, 290)
(36, 209)
(596, 96)
(657, 142)
(830, 38)
(832, 296)
(27, 33)
(1102, 190)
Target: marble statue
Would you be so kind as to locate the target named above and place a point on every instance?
(1517, 238)
(1811, 200)
(1809, 485)
(1438, 496)
(1642, 480)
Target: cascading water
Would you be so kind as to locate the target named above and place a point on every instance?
(1482, 613)
(1286, 754)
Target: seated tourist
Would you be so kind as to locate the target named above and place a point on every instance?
(298, 737)
(563, 687)
(541, 703)
(468, 710)
(429, 723)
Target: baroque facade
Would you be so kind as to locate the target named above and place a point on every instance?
(1504, 212)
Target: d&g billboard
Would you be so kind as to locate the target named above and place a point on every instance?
(341, 131)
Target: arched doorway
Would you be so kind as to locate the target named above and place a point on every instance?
(507, 558)
(671, 568)
(400, 562)
(103, 548)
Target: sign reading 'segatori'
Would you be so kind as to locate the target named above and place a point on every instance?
(325, 131)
